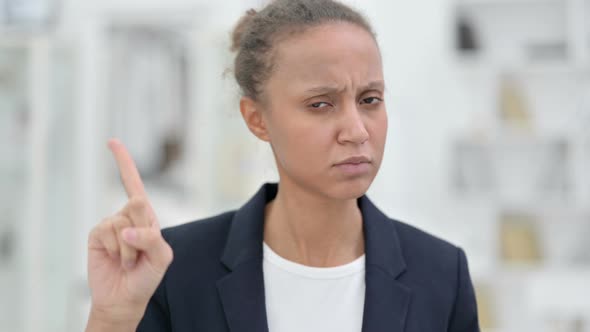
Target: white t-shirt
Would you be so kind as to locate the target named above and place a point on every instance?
(301, 298)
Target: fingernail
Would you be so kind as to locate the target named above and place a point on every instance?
(129, 234)
(110, 143)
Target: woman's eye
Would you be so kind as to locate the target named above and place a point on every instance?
(319, 105)
(371, 100)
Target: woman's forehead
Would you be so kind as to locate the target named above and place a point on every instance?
(329, 53)
(328, 42)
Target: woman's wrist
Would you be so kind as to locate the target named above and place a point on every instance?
(101, 321)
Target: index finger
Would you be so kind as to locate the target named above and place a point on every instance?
(127, 169)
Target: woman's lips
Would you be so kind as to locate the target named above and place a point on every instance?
(354, 168)
(355, 160)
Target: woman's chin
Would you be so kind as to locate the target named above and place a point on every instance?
(350, 188)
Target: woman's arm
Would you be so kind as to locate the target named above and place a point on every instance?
(464, 314)
(157, 314)
(127, 256)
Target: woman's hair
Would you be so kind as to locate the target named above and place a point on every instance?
(257, 33)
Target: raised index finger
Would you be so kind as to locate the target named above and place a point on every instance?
(127, 169)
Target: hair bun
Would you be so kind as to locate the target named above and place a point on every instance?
(240, 29)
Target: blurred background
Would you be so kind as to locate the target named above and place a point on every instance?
(488, 144)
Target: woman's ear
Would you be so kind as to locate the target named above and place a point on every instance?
(252, 114)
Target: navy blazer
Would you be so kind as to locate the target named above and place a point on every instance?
(415, 282)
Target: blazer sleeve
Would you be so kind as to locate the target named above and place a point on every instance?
(464, 313)
(156, 316)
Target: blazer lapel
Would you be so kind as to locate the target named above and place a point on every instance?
(242, 290)
(242, 297)
(386, 302)
(386, 299)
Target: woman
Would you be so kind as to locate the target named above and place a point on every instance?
(311, 253)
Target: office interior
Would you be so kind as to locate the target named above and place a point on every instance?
(488, 144)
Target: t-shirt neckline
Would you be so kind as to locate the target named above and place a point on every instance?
(312, 272)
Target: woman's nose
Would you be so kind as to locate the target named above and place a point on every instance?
(353, 129)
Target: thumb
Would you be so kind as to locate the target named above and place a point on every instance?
(149, 240)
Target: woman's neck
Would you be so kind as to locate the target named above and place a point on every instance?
(312, 230)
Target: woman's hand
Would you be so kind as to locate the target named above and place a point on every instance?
(127, 256)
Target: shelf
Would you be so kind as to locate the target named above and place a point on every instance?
(530, 33)
(466, 62)
(509, 2)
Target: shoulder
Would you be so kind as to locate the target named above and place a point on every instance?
(199, 237)
(427, 254)
(200, 227)
(417, 242)
(438, 275)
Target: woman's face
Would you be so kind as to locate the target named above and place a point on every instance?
(323, 104)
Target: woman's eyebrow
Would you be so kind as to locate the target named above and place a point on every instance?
(324, 90)
(375, 85)
(330, 89)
